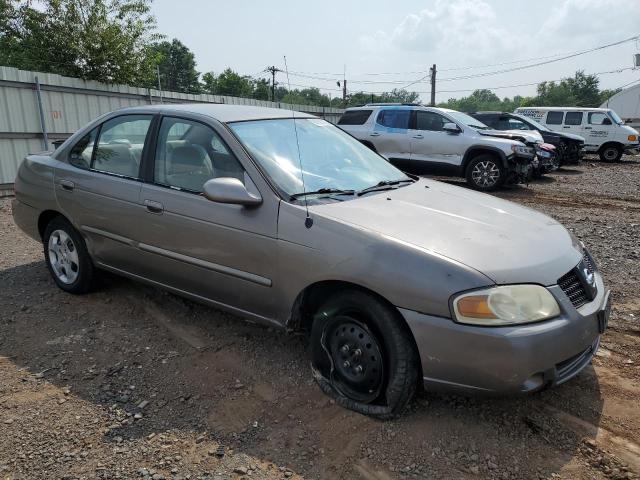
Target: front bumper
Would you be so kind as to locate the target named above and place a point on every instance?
(632, 149)
(514, 359)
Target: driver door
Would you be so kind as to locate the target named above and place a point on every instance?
(219, 252)
(431, 143)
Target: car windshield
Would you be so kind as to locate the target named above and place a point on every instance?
(614, 116)
(531, 121)
(331, 160)
(468, 120)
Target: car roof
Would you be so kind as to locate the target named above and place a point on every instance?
(402, 106)
(221, 112)
(566, 109)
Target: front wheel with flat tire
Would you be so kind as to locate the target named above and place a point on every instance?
(485, 173)
(610, 153)
(363, 355)
(67, 258)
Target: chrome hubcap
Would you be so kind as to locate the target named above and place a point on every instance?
(485, 174)
(63, 257)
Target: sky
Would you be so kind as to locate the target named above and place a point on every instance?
(383, 41)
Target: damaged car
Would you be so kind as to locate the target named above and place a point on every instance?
(569, 147)
(423, 139)
(282, 218)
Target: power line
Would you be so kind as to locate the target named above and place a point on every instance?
(523, 67)
(328, 76)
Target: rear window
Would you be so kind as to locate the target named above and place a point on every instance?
(555, 118)
(573, 118)
(354, 117)
(394, 118)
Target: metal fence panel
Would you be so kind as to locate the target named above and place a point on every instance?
(71, 103)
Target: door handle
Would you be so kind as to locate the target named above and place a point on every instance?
(374, 134)
(153, 207)
(418, 136)
(67, 185)
(588, 128)
(566, 127)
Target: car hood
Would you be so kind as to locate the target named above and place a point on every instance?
(571, 136)
(506, 242)
(528, 136)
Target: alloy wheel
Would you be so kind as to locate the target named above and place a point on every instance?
(63, 257)
(485, 174)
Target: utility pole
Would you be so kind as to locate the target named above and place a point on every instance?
(433, 85)
(272, 70)
(159, 84)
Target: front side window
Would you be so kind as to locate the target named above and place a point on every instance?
(394, 118)
(119, 147)
(573, 118)
(81, 153)
(598, 118)
(555, 118)
(326, 156)
(430, 121)
(189, 153)
(515, 124)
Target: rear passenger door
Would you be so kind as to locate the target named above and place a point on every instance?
(573, 123)
(391, 135)
(215, 251)
(98, 188)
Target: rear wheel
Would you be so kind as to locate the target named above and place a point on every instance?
(610, 153)
(485, 173)
(363, 355)
(67, 258)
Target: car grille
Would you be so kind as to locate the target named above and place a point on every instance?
(573, 287)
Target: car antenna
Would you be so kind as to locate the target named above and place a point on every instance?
(308, 221)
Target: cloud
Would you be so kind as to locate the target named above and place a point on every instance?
(576, 21)
(470, 28)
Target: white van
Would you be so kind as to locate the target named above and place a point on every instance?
(602, 128)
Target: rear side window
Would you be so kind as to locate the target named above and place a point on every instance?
(119, 148)
(555, 118)
(354, 117)
(573, 118)
(394, 118)
(491, 120)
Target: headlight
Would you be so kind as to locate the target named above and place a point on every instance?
(505, 305)
(522, 150)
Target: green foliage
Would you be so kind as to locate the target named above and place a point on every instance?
(177, 67)
(104, 40)
(580, 90)
(394, 96)
(228, 83)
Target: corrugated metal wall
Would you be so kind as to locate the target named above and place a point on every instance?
(71, 103)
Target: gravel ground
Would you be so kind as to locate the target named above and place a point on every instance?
(131, 382)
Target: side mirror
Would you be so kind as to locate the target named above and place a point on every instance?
(451, 128)
(230, 190)
(606, 121)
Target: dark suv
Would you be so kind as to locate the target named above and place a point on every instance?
(568, 146)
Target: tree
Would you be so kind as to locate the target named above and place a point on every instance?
(104, 40)
(177, 67)
(228, 83)
(262, 89)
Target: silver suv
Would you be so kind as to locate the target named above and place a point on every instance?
(438, 139)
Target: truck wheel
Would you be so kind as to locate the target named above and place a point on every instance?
(67, 258)
(485, 173)
(363, 356)
(610, 153)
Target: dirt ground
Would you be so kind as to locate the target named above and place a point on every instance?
(131, 382)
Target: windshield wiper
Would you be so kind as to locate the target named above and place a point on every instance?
(382, 185)
(322, 191)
